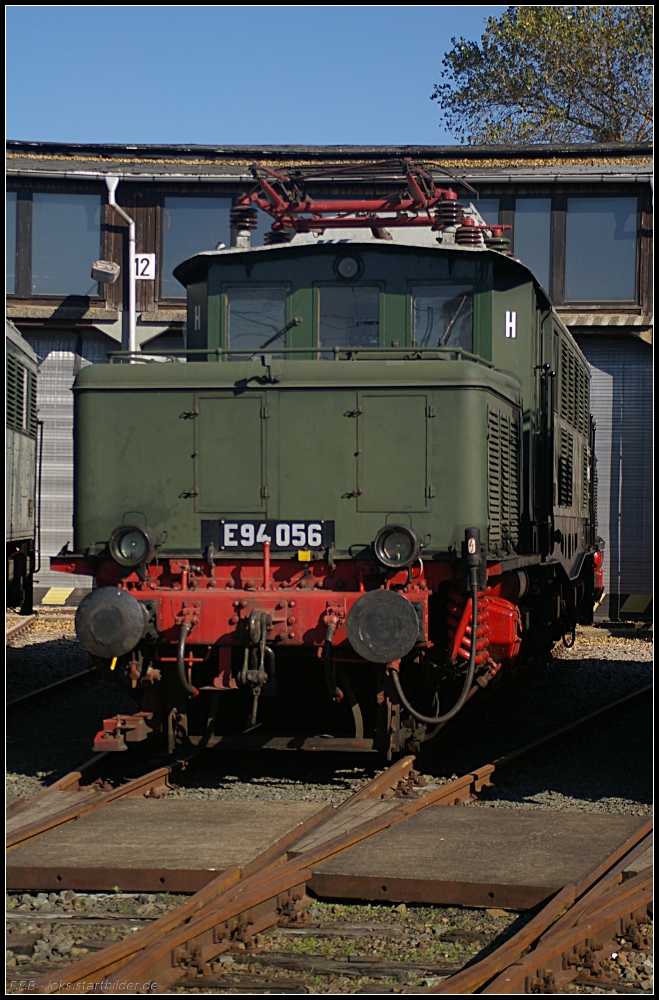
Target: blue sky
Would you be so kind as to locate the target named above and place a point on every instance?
(253, 75)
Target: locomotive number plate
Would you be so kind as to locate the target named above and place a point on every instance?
(232, 536)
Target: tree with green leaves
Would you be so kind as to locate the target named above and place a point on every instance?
(552, 74)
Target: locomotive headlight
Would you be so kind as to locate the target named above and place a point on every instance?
(130, 545)
(397, 546)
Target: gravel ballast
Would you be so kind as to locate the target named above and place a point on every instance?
(605, 768)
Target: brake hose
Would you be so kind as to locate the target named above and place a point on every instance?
(440, 719)
(335, 692)
(180, 659)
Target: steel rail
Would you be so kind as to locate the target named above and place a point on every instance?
(67, 800)
(544, 741)
(23, 699)
(547, 962)
(221, 915)
(19, 626)
(97, 967)
(570, 904)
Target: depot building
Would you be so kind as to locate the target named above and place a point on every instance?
(579, 217)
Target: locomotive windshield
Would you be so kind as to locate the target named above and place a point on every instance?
(254, 315)
(443, 316)
(350, 316)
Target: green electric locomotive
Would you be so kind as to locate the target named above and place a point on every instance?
(367, 492)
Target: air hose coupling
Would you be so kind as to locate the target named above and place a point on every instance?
(335, 692)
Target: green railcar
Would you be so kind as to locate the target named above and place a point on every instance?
(364, 490)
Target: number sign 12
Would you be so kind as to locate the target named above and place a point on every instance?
(145, 266)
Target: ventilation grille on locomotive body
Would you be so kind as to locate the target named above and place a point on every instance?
(565, 468)
(585, 480)
(21, 397)
(502, 481)
(573, 391)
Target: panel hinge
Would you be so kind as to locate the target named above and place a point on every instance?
(264, 413)
(265, 492)
(431, 492)
(431, 411)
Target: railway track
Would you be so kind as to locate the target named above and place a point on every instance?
(60, 685)
(572, 933)
(17, 627)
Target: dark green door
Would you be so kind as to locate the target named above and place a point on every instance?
(231, 454)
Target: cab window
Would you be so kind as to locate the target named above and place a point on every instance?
(255, 317)
(443, 316)
(349, 316)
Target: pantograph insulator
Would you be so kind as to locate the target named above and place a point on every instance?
(244, 217)
(469, 236)
(449, 213)
(278, 236)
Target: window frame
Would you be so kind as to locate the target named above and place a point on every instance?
(316, 286)
(160, 297)
(24, 232)
(225, 286)
(559, 194)
(512, 221)
(15, 292)
(433, 283)
(578, 304)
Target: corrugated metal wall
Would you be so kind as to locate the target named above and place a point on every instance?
(62, 355)
(621, 402)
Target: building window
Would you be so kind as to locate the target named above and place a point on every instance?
(350, 316)
(488, 208)
(532, 236)
(66, 240)
(443, 316)
(600, 257)
(11, 243)
(190, 225)
(254, 317)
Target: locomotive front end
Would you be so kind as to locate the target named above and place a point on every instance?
(339, 516)
(221, 622)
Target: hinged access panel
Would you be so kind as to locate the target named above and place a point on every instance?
(231, 454)
(393, 452)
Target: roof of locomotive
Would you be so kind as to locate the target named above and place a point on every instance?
(421, 238)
